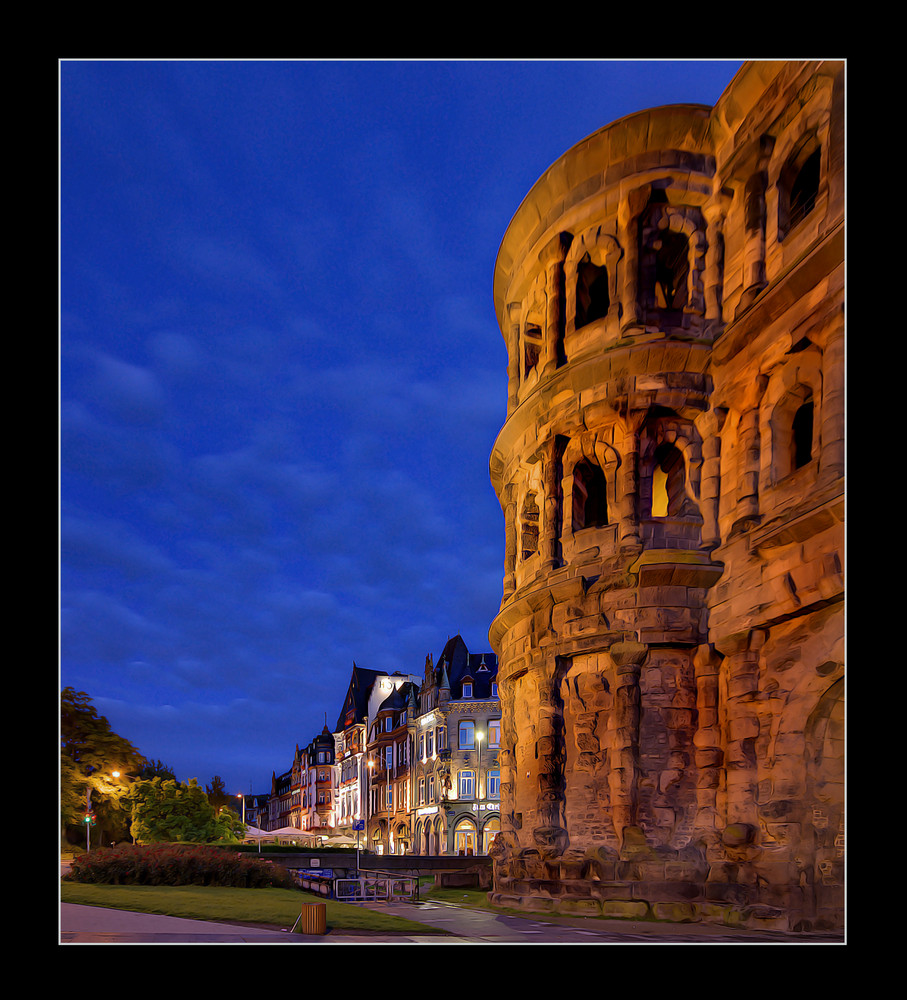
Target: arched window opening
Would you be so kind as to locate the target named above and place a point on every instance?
(590, 499)
(672, 267)
(592, 296)
(529, 527)
(465, 837)
(802, 435)
(532, 349)
(805, 189)
(668, 482)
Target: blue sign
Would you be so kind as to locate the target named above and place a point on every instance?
(359, 824)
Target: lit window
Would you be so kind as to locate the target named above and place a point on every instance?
(494, 732)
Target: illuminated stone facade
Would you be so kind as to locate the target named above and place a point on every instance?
(671, 471)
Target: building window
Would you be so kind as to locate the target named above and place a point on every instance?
(493, 781)
(799, 185)
(494, 733)
(442, 737)
(590, 503)
(431, 788)
(529, 527)
(465, 837)
(422, 791)
(429, 742)
(592, 295)
(494, 689)
(389, 756)
(668, 482)
(802, 434)
(422, 746)
(672, 266)
(467, 689)
(467, 734)
(466, 784)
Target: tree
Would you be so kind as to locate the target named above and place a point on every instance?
(217, 793)
(168, 810)
(90, 751)
(155, 769)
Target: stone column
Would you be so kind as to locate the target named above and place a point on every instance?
(747, 492)
(552, 259)
(755, 213)
(510, 539)
(741, 672)
(708, 754)
(631, 206)
(831, 459)
(627, 486)
(709, 426)
(715, 214)
(549, 527)
(627, 658)
(550, 833)
(513, 356)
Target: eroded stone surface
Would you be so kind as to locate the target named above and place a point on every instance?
(670, 637)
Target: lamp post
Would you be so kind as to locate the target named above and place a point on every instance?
(368, 799)
(479, 737)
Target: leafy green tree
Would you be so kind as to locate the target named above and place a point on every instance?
(168, 810)
(90, 753)
(217, 793)
(155, 769)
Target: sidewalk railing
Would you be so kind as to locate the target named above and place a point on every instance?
(377, 887)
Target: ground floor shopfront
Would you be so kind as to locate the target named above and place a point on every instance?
(459, 829)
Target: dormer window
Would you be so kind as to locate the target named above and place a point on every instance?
(467, 689)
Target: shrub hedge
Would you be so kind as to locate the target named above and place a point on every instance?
(177, 864)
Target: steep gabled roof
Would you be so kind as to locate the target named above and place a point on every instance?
(459, 663)
(355, 705)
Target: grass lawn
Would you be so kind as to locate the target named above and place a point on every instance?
(274, 907)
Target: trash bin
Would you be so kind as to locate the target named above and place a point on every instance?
(313, 919)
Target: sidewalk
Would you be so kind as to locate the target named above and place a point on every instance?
(96, 925)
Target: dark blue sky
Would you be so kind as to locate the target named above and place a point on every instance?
(281, 375)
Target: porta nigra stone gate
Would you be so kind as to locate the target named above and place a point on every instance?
(671, 471)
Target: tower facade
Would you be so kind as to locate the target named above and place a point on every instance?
(671, 472)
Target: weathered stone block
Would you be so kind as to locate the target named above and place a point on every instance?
(675, 912)
(624, 909)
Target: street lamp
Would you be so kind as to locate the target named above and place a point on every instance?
(479, 737)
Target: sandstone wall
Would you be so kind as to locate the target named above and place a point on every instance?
(670, 637)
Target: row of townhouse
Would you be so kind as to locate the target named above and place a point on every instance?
(411, 768)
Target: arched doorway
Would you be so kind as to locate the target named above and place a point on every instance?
(465, 837)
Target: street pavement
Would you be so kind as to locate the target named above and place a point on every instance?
(97, 925)
(460, 925)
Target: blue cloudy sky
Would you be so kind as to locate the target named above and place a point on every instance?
(281, 375)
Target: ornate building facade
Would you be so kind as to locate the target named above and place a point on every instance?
(671, 471)
(455, 732)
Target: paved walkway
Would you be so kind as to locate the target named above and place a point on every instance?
(97, 925)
